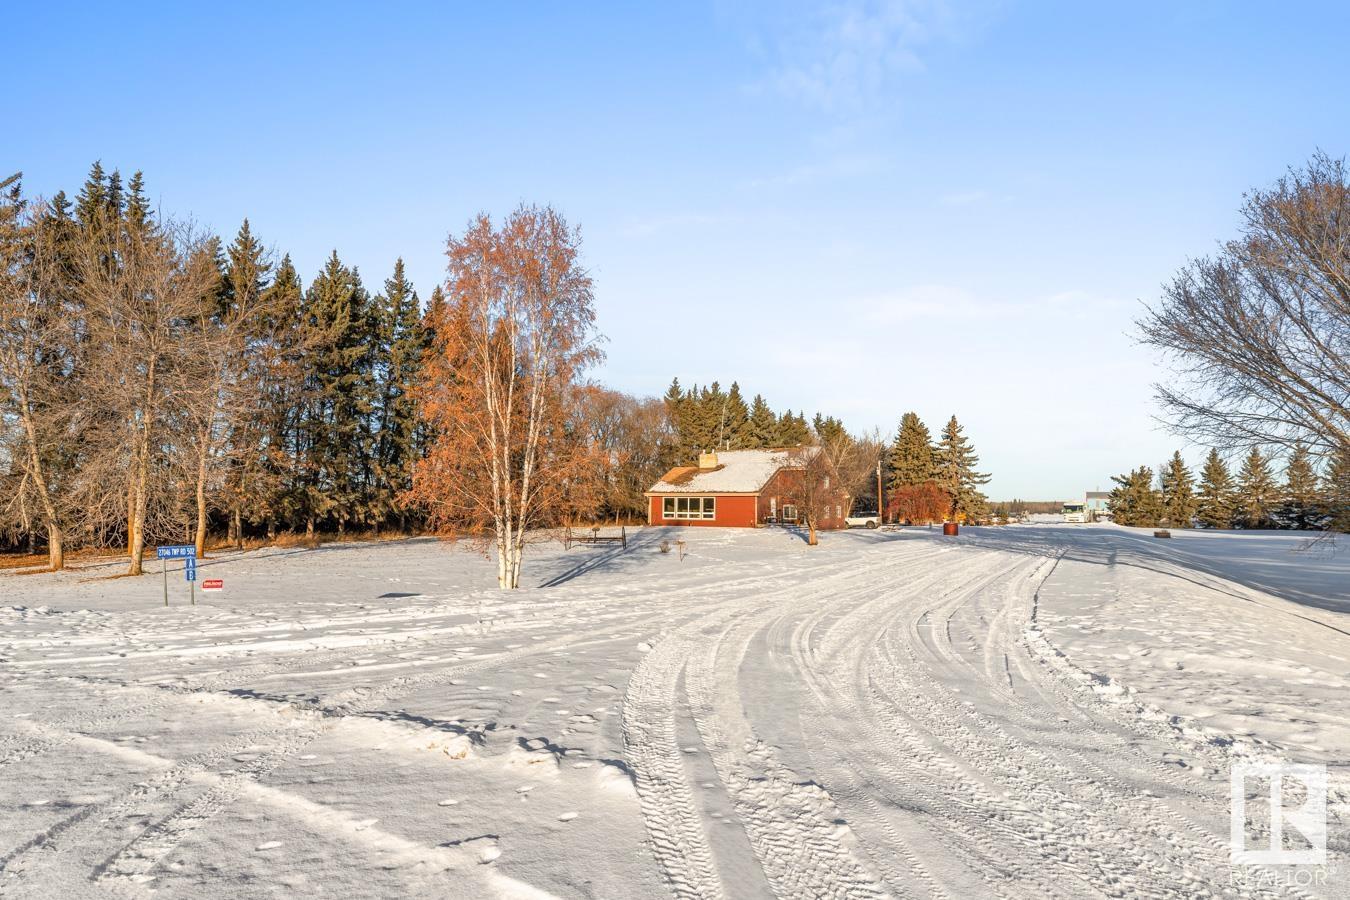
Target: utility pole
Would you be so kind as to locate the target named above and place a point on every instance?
(881, 513)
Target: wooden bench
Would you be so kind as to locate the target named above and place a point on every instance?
(595, 537)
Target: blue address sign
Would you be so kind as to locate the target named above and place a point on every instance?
(177, 551)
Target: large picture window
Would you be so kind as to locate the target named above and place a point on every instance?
(689, 508)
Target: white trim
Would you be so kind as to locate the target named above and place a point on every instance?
(694, 508)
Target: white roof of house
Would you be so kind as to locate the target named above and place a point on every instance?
(737, 472)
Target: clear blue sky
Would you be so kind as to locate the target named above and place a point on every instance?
(856, 208)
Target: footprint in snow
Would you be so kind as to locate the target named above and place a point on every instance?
(448, 802)
(269, 845)
(567, 817)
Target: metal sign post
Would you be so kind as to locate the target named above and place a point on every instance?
(178, 551)
(190, 574)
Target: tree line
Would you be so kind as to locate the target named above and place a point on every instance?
(1252, 498)
(1258, 340)
(157, 383)
(160, 385)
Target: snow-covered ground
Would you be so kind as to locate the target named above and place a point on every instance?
(1022, 711)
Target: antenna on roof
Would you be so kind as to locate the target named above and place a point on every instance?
(722, 426)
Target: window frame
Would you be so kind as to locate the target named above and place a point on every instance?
(687, 508)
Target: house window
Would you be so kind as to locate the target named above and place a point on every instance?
(689, 508)
(789, 512)
(838, 510)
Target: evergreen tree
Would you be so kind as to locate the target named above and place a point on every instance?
(245, 276)
(1301, 506)
(1178, 492)
(792, 430)
(954, 462)
(91, 204)
(1134, 501)
(711, 419)
(138, 213)
(113, 199)
(285, 451)
(1216, 507)
(341, 390)
(1257, 493)
(1336, 490)
(399, 359)
(762, 429)
(736, 421)
(828, 429)
(246, 269)
(911, 458)
(676, 401)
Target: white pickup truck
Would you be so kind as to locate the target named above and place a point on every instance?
(863, 520)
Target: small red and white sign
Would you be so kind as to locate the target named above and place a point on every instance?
(213, 584)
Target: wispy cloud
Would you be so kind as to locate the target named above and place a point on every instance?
(842, 57)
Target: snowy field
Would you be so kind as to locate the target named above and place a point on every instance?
(1032, 711)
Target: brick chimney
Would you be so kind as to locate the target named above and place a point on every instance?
(707, 459)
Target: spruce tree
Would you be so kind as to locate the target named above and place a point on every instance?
(91, 204)
(398, 361)
(1216, 506)
(828, 429)
(341, 384)
(911, 458)
(285, 417)
(954, 462)
(1178, 492)
(711, 421)
(676, 401)
(113, 199)
(792, 430)
(1257, 493)
(138, 213)
(1336, 491)
(736, 421)
(1301, 505)
(762, 429)
(1134, 501)
(245, 277)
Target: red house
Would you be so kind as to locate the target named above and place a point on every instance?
(738, 489)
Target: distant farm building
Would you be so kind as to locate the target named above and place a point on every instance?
(1097, 505)
(738, 489)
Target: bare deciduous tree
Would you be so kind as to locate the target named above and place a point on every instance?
(37, 342)
(141, 286)
(828, 474)
(1260, 333)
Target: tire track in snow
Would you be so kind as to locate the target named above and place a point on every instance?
(672, 817)
(133, 862)
(1040, 780)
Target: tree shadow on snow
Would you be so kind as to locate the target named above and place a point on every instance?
(1300, 578)
(613, 557)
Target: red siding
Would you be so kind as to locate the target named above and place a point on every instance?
(746, 510)
(733, 511)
